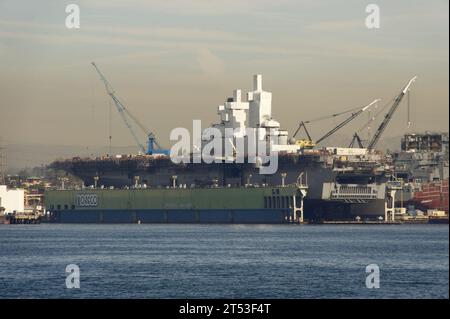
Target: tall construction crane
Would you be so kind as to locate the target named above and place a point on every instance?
(126, 116)
(389, 115)
(345, 122)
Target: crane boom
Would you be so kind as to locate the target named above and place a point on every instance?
(123, 111)
(389, 115)
(143, 128)
(346, 121)
(120, 108)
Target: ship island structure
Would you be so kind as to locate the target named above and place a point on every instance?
(311, 184)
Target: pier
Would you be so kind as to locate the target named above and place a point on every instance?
(22, 218)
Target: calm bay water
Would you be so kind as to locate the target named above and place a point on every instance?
(224, 261)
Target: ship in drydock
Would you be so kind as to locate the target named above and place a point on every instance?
(342, 183)
(423, 167)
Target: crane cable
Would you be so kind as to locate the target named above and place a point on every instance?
(325, 117)
(372, 119)
(409, 110)
(139, 124)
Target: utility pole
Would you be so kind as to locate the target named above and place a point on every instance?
(109, 127)
(2, 162)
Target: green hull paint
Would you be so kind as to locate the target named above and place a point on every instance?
(199, 198)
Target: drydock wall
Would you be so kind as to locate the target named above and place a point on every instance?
(215, 205)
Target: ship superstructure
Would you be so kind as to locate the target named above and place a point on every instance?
(256, 112)
(423, 157)
(423, 166)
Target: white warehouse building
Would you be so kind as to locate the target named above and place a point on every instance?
(12, 200)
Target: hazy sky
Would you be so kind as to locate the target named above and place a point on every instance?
(174, 61)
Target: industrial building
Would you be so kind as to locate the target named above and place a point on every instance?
(11, 200)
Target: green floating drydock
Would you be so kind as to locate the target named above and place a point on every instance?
(265, 205)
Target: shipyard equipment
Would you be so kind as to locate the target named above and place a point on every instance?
(389, 115)
(346, 121)
(356, 141)
(305, 142)
(342, 183)
(126, 116)
(308, 143)
(230, 205)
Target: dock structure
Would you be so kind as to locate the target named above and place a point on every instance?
(22, 218)
(389, 206)
(298, 212)
(236, 205)
(361, 222)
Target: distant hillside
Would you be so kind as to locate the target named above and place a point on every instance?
(19, 156)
